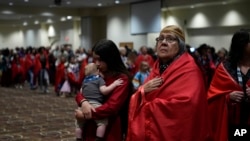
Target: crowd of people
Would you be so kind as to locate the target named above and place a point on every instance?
(64, 68)
(42, 67)
(170, 92)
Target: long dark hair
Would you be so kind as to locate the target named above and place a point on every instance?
(109, 53)
(239, 41)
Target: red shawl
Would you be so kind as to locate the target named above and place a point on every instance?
(220, 106)
(77, 82)
(28, 62)
(17, 69)
(60, 76)
(37, 65)
(176, 111)
(141, 58)
(110, 109)
(82, 71)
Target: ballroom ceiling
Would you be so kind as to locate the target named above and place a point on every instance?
(65, 3)
(17, 11)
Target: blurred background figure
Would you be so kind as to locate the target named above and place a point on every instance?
(221, 56)
(141, 75)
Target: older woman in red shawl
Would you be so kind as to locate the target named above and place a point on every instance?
(171, 105)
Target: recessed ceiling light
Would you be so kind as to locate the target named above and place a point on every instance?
(117, 1)
(7, 12)
(25, 23)
(49, 21)
(63, 19)
(69, 17)
(47, 14)
(26, 0)
(11, 3)
(99, 4)
(36, 22)
(68, 2)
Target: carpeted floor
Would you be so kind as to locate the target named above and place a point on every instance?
(26, 115)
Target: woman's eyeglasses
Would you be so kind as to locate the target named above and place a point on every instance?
(168, 39)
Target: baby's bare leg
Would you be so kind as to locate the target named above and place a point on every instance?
(100, 131)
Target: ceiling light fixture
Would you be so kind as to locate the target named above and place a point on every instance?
(36, 22)
(63, 19)
(26, 0)
(49, 21)
(7, 12)
(99, 4)
(47, 14)
(11, 3)
(69, 17)
(117, 1)
(68, 2)
(25, 23)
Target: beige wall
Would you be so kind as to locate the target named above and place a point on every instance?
(213, 25)
(39, 35)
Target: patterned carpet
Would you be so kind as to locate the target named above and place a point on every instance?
(26, 115)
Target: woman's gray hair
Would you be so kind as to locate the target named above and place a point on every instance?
(182, 46)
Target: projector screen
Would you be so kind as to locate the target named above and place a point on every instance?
(145, 17)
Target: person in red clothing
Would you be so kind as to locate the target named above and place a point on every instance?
(82, 66)
(144, 56)
(60, 75)
(17, 68)
(171, 105)
(108, 60)
(73, 74)
(43, 72)
(94, 90)
(30, 66)
(229, 91)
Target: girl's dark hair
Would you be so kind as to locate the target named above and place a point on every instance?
(109, 53)
(239, 41)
